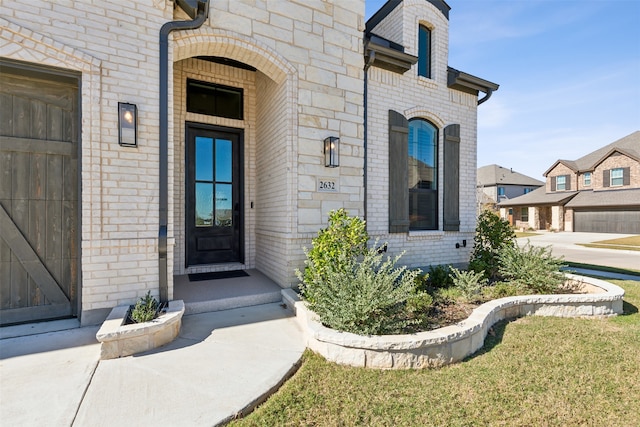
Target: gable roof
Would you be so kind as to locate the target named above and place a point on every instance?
(496, 174)
(629, 146)
(539, 196)
(618, 198)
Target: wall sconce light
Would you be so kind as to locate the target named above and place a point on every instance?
(127, 124)
(332, 152)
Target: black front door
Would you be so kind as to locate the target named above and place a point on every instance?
(213, 194)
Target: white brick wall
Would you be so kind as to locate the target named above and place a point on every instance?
(308, 86)
(430, 99)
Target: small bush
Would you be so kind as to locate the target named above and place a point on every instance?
(344, 238)
(448, 295)
(440, 276)
(503, 289)
(492, 235)
(469, 283)
(419, 303)
(533, 268)
(368, 297)
(145, 310)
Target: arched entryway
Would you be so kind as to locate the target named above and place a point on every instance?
(233, 165)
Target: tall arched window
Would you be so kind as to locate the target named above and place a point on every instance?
(423, 175)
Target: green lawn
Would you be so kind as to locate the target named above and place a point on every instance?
(534, 371)
(631, 243)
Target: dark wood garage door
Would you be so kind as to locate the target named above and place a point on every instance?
(39, 117)
(608, 221)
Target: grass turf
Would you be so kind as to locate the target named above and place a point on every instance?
(631, 243)
(534, 371)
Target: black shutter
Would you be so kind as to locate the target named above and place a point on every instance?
(606, 178)
(553, 183)
(567, 180)
(626, 176)
(398, 173)
(452, 178)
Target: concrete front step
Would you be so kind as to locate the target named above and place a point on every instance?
(196, 307)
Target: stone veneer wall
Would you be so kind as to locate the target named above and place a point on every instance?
(115, 49)
(431, 99)
(309, 58)
(452, 343)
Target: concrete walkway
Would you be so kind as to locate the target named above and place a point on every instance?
(221, 364)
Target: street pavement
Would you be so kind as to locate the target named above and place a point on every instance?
(565, 244)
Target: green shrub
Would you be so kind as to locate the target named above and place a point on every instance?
(447, 295)
(469, 283)
(419, 302)
(145, 310)
(503, 289)
(533, 268)
(492, 234)
(440, 276)
(368, 297)
(344, 238)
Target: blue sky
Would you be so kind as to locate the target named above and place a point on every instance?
(568, 70)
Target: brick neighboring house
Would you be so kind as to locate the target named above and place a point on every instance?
(496, 184)
(127, 162)
(599, 192)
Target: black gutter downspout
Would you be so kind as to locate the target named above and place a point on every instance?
(372, 57)
(167, 28)
(486, 97)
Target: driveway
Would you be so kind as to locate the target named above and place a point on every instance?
(566, 244)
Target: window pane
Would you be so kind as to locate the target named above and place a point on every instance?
(214, 100)
(223, 160)
(616, 176)
(424, 52)
(204, 205)
(224, 203)
(560, 182)
(229, 103)
(204, 159)
(423, 175)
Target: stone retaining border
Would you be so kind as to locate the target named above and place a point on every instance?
(452, 343)
(119, 340)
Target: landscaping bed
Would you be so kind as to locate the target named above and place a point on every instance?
(451, 343)
(119, 338)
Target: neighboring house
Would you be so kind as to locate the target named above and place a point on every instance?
(126, 162)
(496, 184)
(599, 192)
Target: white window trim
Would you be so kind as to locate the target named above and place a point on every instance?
(584, 181)
(564, 183)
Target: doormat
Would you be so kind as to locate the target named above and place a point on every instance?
(198, 277)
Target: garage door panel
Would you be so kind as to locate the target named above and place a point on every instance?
(608, 221)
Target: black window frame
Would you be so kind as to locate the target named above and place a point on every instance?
(212, 108)
(424, 51)
(418, 195)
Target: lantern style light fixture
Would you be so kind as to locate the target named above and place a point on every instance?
(127, 124)
(332, 152)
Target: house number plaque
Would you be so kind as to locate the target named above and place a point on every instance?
(327, 185)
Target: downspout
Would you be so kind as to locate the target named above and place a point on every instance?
(167, 28)
(486, 97)
(372, 57)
